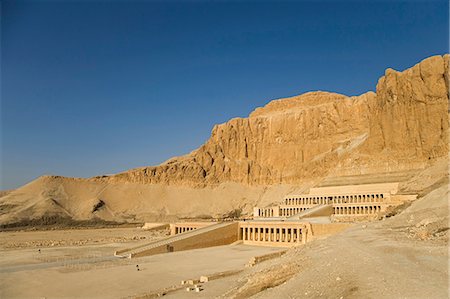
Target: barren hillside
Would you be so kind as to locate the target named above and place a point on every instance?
(289, 145)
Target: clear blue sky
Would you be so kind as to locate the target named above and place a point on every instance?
(98, 87)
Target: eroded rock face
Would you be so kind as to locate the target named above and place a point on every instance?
(411, 111)
(285, 147)
(401, 126)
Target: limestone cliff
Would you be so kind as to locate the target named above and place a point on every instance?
(286, 146)
(401, 126)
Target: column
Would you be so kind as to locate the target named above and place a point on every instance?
(303, 232)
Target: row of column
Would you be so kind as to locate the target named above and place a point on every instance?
(266, 212)
(358, 210)
(307, 200)
(179, 230)
(358, 198)
(336, 199)
(291, 211)
(265, 234)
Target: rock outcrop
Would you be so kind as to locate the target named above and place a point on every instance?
(288, 145)
(401, 126)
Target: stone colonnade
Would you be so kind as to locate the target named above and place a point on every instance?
(179, 230)
(290, 211)
(307, 200)
(274, 233)
(344, 198)
(266, 212)
(181, 227)
(356, 210)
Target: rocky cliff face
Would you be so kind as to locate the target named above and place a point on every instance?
(287, 146)
(401, 126)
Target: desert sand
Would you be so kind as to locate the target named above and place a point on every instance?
(402, 256)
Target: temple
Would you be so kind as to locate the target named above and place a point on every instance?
(347, 203)
(295, 220)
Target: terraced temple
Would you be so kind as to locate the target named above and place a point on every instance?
(296, 220)
(349, 203)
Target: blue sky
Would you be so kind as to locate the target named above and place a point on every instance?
(99, 87)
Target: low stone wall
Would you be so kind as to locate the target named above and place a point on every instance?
(261, 258)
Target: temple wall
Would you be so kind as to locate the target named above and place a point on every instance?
(368, 188)
(181, 227)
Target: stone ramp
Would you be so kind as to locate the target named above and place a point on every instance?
(213, 235)
(318, 211)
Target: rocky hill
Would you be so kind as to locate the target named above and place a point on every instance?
(288, 145)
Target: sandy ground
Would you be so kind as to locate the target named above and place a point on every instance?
(377, 260)
(72, 237)
(365, 261)
(90, 271)
(404, 256)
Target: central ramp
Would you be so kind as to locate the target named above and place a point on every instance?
(213, 235)
(318, 211)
